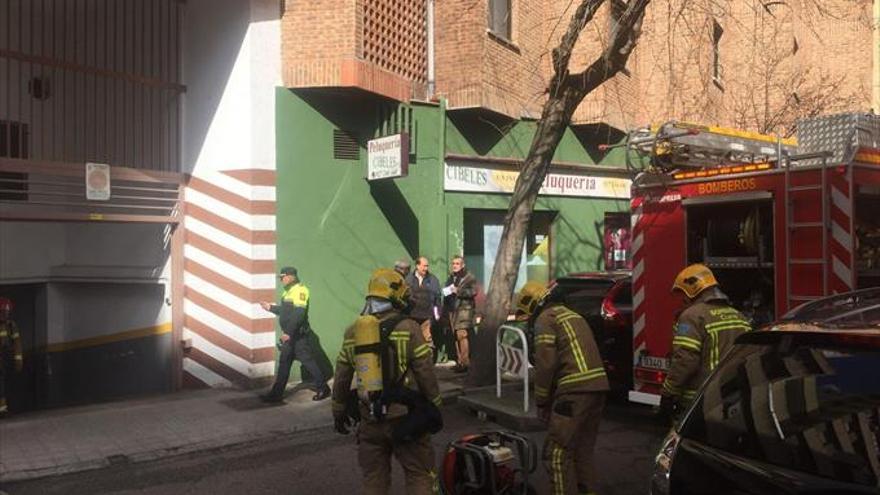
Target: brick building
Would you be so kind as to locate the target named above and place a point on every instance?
(727, 63)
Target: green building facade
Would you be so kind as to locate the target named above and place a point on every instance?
(336, 227)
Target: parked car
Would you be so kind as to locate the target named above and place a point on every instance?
(604, 299)
(793, 408)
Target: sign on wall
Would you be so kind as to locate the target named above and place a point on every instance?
(97, 181)
(388, 157)
(467, 178)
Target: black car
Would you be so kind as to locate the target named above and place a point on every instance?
(793, 408)
(604, 299)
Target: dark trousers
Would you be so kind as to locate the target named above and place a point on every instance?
(304, 349)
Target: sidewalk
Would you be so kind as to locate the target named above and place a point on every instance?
(63, 441)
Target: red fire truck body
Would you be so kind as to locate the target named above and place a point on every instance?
(775, 234)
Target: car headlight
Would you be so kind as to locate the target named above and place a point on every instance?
(663, 464)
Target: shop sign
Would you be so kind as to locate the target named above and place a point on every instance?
(97, 181)
(481, 179)
(388, 157)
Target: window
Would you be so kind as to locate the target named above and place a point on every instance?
(618, 7)
(499, 18)
(717, 69)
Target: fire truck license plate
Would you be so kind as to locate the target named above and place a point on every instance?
(656, 363)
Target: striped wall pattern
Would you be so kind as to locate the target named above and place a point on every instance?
(638, 281)
(229, 267)
(841, 244)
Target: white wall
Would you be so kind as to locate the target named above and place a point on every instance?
(232, 65)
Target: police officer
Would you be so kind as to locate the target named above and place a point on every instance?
(405, 361)
(570, 386)
(297, 341)
(704, 332)
(10, 349)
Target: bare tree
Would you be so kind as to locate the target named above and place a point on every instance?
(565, 91)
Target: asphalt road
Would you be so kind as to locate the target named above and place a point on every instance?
(325, 463)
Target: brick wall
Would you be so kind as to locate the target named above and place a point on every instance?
(765, 80)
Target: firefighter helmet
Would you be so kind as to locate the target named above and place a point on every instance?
(529, 297)
(387, 284)
(694, 279)
(6, 306)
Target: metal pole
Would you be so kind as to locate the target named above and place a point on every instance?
(497, 361)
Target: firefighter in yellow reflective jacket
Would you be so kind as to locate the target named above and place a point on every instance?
(10, 348)
(703, 333)
(570, 386)
(402, 364)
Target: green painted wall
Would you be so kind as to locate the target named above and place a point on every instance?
(336, 228)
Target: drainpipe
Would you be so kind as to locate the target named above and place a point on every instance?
(875, 101)
(429, 8)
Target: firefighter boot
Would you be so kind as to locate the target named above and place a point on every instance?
(374, 456)
(571, 439)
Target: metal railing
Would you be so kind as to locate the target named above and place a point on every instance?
(512, 360)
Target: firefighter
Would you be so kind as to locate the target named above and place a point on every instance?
(570, 386)
(703, 333)
(10, 349)
(392, 361)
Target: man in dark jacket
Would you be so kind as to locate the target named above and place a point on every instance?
(460, 291)
(425, 296)
(297, 339)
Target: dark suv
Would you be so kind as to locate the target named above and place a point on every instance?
(793, 408)
(604, 299)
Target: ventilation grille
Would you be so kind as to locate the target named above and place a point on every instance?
(345, 146)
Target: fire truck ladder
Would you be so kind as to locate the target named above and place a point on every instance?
(684, 146)
(824, 224)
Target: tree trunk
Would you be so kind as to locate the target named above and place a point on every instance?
(566, 91)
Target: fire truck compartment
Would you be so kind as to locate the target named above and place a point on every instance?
(735, 239)
(867, 229)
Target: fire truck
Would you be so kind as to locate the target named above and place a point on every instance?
(780, 222)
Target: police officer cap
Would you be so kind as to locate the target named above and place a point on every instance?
(288, 270)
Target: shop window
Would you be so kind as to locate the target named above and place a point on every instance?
(482, 233)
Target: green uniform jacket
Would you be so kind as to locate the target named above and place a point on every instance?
(408, 350)
(704, 332)
(567, 359)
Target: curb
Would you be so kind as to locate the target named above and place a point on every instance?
(154, 455)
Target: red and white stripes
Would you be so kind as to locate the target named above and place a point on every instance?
(638, 280)
(229, 267)
(841, 278)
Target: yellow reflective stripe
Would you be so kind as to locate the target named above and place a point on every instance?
(438, 401)
(688, 343)
(672, 389)
(566, 316)
(541, 391)
(18, 357)
(422, 350)
(548, 339)
(3, 333)
(401, 355)
(581, 377)
(726, 323)
(559, 487)
(575, 348)
(689, 394)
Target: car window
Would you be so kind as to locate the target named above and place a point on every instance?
(801, 403)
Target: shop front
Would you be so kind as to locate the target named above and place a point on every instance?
(567, 229)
